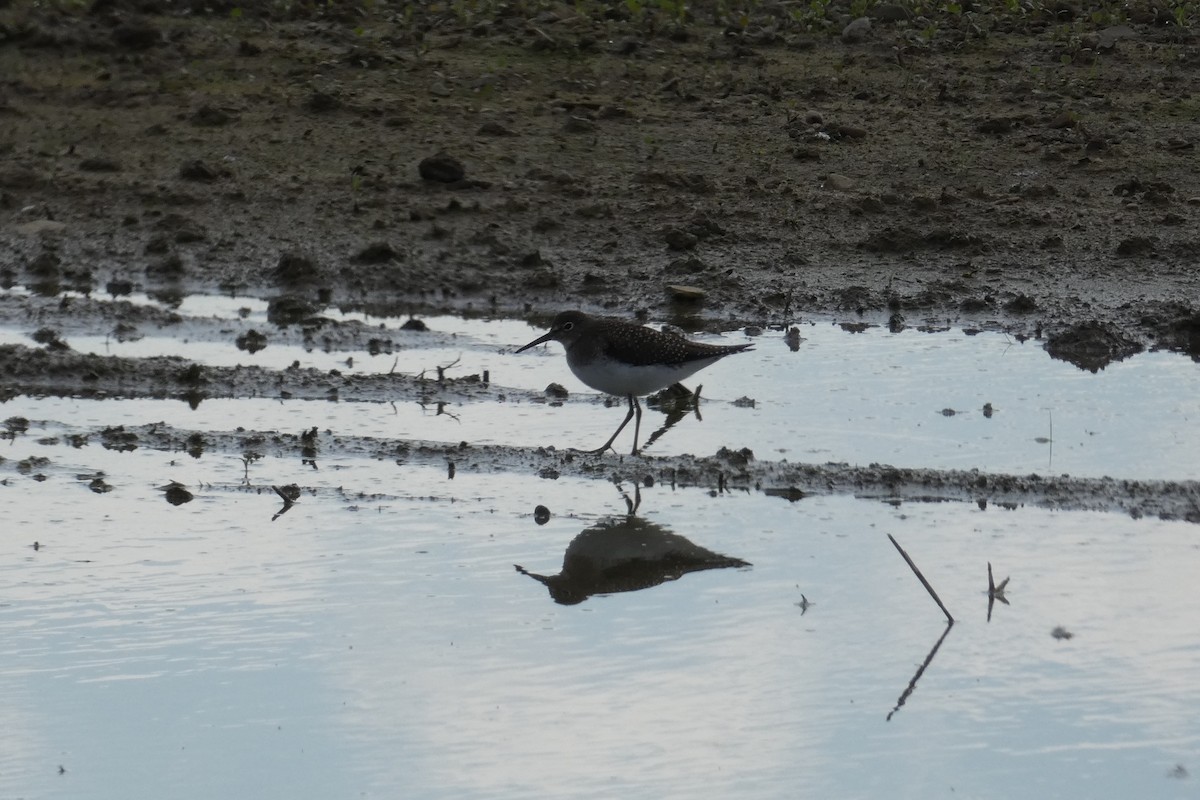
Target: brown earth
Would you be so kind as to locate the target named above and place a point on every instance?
(1025, 167)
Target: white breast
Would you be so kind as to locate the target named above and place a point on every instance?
(611, 377)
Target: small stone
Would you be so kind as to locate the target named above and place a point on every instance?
(321, 102)
(1064, 119)
(1108, 38)
(495, 129)
(99, 164)
(541, 515)
(890, 12)
(40, 226)
(557, 391)
(856, 31)
(442, 168)
(210, 117)
(197, 170)
(1135, 246)
(679, 239)
(579, 125)
(376, 253)
(839, 183)
(690, 294)
(136, 36)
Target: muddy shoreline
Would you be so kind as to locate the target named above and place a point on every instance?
(1032, 172)
(727, 470)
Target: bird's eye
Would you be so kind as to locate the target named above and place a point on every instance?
(568, 326)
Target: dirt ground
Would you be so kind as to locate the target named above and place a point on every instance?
(1017, 166)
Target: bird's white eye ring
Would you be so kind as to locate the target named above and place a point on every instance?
(568, 326)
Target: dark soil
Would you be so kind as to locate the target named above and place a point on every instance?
(1031, 169)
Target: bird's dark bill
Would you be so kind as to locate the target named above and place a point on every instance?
(543, 338)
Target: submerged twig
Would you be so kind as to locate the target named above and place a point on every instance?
(921, 578)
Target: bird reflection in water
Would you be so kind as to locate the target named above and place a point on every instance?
(625, 554)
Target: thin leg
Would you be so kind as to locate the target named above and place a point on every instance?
(637, 423)
(620, 428)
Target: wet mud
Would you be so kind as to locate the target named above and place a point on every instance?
(724, 471)
(1033, 173)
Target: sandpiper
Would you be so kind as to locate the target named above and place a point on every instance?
(628, 360)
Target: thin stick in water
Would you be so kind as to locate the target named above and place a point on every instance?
(921, 578)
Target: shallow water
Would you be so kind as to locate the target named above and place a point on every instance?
(375, 640)
(908, 399)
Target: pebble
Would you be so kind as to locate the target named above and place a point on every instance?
(442, 168)
(689, 293)
(857, 30)
(579, 125)
(679, 239)
(838, 182)
(39, 226)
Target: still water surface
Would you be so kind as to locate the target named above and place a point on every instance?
(908, 399)
(376, 641)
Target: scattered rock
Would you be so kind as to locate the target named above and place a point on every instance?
(41, 226)
(169, 267)
(136, 35)
(295, 268)
(541, 515)
(557, 391)
(1135, 246)
(1107, 39)
(50, 339)
(99, 164)
(1021, 304)
(44, 265)
(838, 182)
(197, 170)
(251, 341)
(890, 12)
(679, 239)
(209, 117)
(579, 125)
(495, 129)
(442, 168)
(290, 309)
(322, 102)
(690, 294)
(176, 494)
(377, 253)
(857, 30)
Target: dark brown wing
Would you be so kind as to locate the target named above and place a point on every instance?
(640, 346)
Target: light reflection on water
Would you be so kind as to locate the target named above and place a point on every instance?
(857, 398)
(383, 644)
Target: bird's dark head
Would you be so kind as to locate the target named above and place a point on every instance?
(566, 328)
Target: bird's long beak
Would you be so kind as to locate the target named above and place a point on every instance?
(545, 337)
